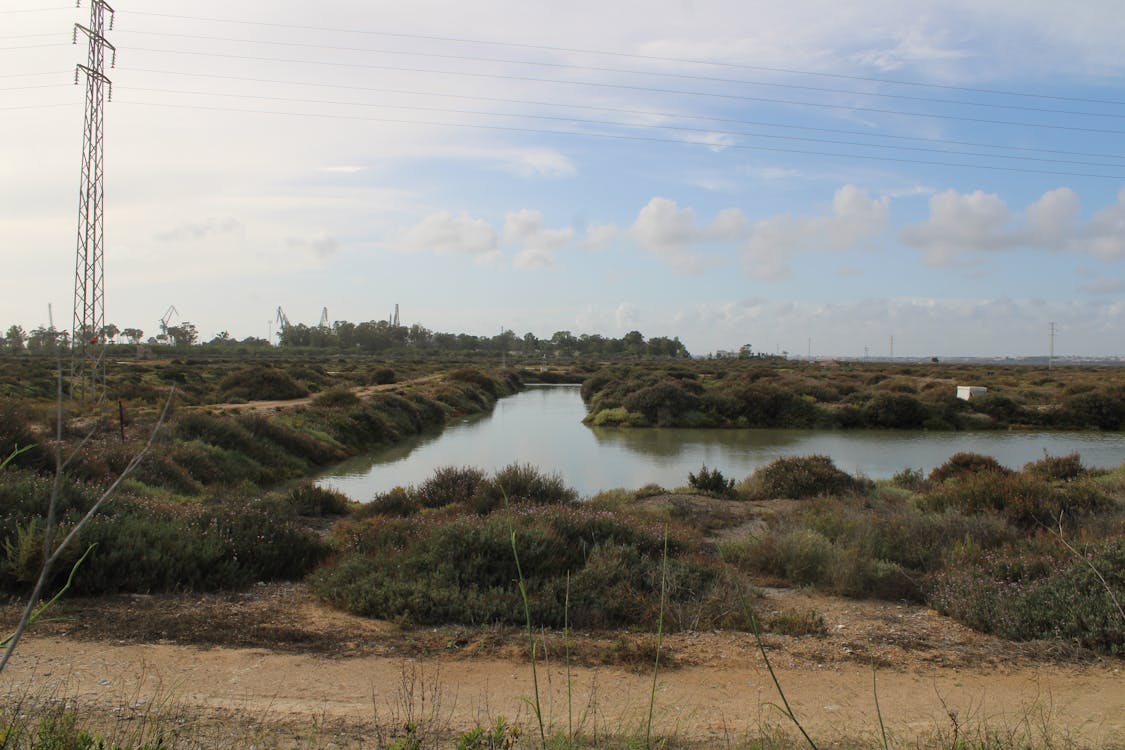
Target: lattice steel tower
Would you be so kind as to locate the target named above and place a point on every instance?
(87, 336)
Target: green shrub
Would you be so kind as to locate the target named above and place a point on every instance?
(440, 567)
(800, 556)
(450, 485)
(1057, 468)
(146, 546)
(336, 398)
(664, 403)
(1023, 499)
(797, 622)
(398, 501)
(711, 481)
(16, 434)
(895, 411)
(909, 479)
(1031, 591)
(800, 477)
(477, 378)
(308, 499)
(964, 463)
(518, 484)
(261, 383)
(380, 376)
(1103, 408)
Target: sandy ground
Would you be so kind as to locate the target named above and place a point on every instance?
(276, 655)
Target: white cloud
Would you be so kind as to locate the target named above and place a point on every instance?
(626, 316)
(322, 246)
(921, 326)
(599, 236)
(201, 229)
(342, 169)
(538, 244)
(855, 217)
(1104, 286)
(961, 223)
(444, 234)
(671, 233)
(539, 162)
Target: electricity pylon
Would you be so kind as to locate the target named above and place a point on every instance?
(87, 337)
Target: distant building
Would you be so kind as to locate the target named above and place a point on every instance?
(969, 392)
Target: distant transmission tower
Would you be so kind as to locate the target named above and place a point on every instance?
(87, 334)
(1051, 356)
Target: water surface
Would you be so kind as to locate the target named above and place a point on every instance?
(543, 426)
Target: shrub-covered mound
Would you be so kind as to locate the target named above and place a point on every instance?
(148, 545)
(456, 564)
(261, 383)
(977, 541)
(771, 392)
(800, 477)
(1039, 589)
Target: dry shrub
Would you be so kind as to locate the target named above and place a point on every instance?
(799, 477)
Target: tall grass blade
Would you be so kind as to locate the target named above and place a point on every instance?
(659, 639)
(878, 710)
(536, 705)
(756, 629)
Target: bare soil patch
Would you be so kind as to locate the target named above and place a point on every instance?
(275, 654)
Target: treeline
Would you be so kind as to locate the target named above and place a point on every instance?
(858, 397)
(381, 336)
(370, 337)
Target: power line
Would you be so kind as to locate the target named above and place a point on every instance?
(631, 111)
(661, 74)
(634, 56)
(636, 138)
(584, 121)
(648, 89)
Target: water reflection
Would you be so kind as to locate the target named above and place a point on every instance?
(543, 426)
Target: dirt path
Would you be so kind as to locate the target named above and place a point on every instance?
(360, 391)
(276, 655)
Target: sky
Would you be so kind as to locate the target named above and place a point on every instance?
(835, 179)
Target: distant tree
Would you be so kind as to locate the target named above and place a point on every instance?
(15, 338)
(634, 342)
(109, 332)
(133, 334)
(185, 334)
(45, 339)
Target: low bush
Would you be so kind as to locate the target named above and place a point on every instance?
(1023, 499)
(797, 622)
(146, 546)
(449, 485)
(441, 568)
(799, 477)
(521, 484)
(896, 411)
(308, 499)
(18, 443)
(261, 383)
(712, 482)
(1057, 468)
(964, 463)
(1032, 590)
(336, 398)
